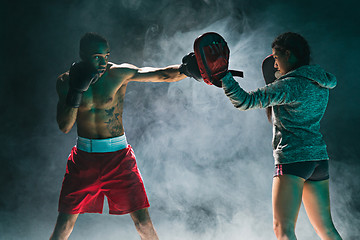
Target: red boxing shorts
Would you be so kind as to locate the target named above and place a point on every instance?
(92, 175)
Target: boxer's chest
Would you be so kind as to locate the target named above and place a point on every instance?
(101, 96)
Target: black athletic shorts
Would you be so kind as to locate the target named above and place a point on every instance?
(309, 170)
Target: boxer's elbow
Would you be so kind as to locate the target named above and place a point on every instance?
(64, 126)
(66, 119)
(65, 130)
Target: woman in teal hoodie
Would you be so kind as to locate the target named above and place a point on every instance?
(298, 99)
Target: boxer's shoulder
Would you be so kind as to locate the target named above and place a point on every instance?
(124, 70)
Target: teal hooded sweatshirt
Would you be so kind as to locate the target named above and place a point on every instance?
(298, 100)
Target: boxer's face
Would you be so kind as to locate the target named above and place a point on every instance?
(284, 61)
(98, 55)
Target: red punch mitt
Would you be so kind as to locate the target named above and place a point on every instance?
(268, 69)
(212, 55)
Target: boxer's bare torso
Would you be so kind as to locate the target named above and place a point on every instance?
(100, 113)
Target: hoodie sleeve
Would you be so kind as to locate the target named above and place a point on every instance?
(278, 93)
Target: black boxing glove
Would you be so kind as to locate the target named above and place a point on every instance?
(268, 70)
(81, 76)
(190, 68)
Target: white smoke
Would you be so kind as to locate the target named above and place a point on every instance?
(207, 167)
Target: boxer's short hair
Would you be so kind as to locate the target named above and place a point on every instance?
(88, 38)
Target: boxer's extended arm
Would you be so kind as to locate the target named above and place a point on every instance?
(65, 115)
(149, 74)
(284, 91)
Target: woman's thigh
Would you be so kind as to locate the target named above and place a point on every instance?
(317, 205)
(286, 199)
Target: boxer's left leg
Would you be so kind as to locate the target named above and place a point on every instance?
(144, 225)
(64, 225)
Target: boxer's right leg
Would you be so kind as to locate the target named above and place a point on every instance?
(144, 224)
(64, 225)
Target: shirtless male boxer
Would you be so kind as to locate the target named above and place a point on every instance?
(102, 163)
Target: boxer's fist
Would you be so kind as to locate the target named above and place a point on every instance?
(81, 76)
(189, 67)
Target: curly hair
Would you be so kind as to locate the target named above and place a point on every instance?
(295, 43)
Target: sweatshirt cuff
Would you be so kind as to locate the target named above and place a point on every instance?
(228, 81)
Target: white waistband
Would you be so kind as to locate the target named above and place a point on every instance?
(102, 145)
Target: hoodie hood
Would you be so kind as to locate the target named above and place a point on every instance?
(314, 73)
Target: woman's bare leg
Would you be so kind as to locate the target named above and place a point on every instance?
(286, 199)
(317, 205)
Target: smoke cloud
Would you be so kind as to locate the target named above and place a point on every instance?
(207, 167)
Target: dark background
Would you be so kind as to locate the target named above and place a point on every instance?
(207, 167)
